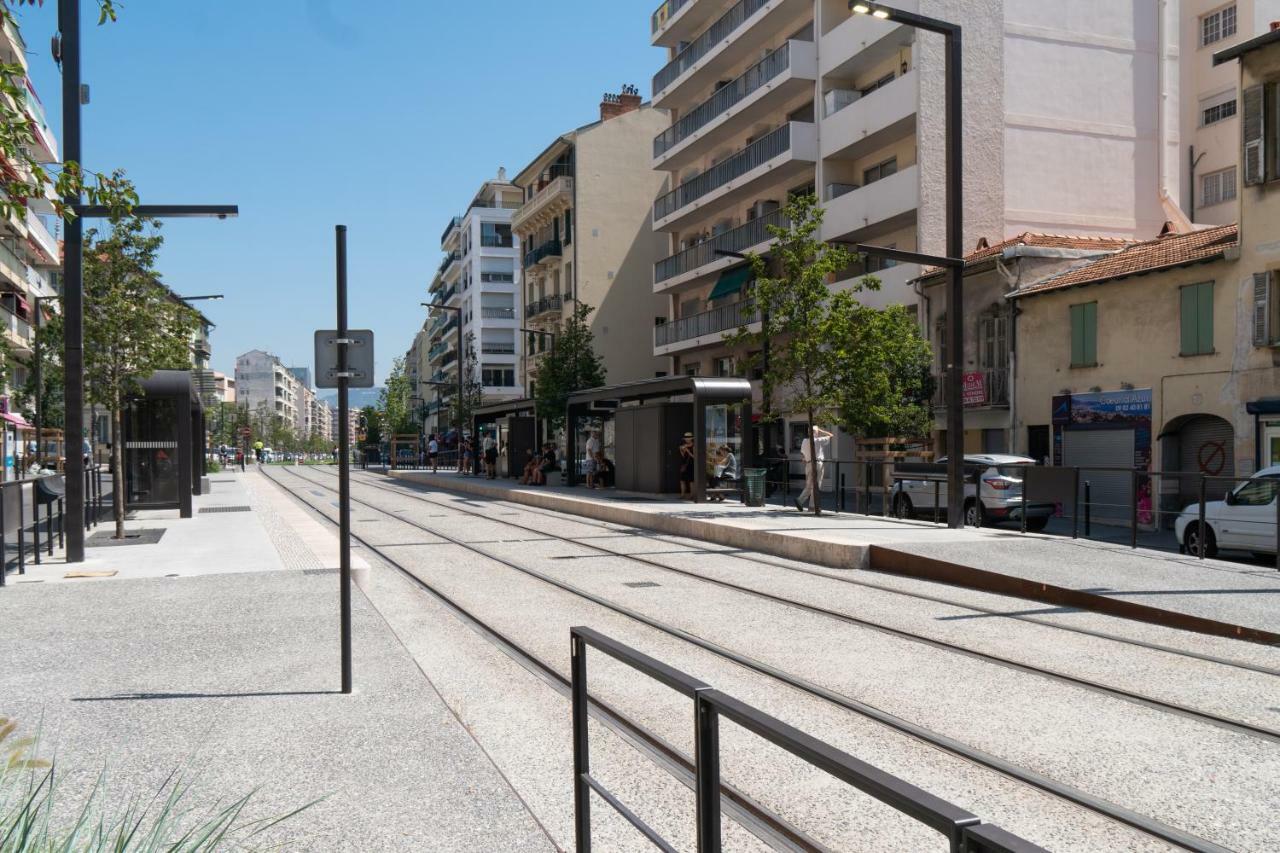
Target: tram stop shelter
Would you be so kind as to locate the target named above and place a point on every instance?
(516, 427)
(164, 443)
(649, 420)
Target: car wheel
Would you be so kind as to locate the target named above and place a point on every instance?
(1191, 539)
(972, 515)
(1038, 524)
(902, 507)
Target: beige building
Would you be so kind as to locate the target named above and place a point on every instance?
(586, 236)
(1211, 111)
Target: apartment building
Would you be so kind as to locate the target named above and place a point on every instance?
(479, 279)
(586, 235)
(1210, 123)
(1071, 126)
(265, 386)
(224, 387)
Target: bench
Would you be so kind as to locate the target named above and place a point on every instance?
(719, 493)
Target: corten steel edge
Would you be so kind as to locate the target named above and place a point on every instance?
(964, 831)
(73, 265)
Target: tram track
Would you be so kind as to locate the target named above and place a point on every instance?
(1109, 810)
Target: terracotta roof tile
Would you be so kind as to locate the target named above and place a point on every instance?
(1166, 252)
(1043, 241)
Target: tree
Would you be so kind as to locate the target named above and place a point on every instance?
(133, 325)
(881, 366)
(394, 401)
(797, 317)
(572, 365)
(372, 417)
(472, 389)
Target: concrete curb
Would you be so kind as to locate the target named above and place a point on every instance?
(834, 555)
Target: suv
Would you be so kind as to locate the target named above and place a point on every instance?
(1244, 520)
(1000, 497)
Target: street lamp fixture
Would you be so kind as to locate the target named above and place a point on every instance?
(953, 262)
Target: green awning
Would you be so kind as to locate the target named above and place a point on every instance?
(731, 282)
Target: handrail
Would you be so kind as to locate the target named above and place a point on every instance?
(745, 236)
(732, 316)
(664, 13)
(756, 154)
(710, 39)
(964, 830)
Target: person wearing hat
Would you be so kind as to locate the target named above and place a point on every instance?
(687, 460)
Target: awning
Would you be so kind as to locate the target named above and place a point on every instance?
(731, 282)
(16, 419)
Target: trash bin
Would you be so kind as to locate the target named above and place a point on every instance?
(753, 485)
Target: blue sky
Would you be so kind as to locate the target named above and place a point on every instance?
(383, 116)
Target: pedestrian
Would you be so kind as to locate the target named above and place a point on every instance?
(548, 462)
(433, 452)
(813, 473)
(490, 447)
(687, 460)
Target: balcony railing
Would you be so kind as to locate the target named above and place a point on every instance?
(450, 259)
(705, 43)
(493, 241)
(981, 388)
(549, 249)
(498, 348)
(721, 319)
(493, 313)
(498, 277)
(545, 305)
(724, 99)
(453, 223)
(664, 13)
(560, 183)
(754, 155)
(739, 239)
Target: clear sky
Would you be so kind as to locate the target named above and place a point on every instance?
(384, 116)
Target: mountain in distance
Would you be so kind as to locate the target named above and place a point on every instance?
(359, 397)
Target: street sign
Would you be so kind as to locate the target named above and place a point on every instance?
(359, 358)
(244, 431)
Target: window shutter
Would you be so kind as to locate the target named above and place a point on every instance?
(1091, 333)
(1189, 325)
(1261, 309)
(1254, 132)
(1204, 316)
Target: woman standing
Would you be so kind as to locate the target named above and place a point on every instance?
(687, 461)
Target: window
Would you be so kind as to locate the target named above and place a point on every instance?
(496, 376)
(693, 369)
(1217, 112)
(1197, 318)
(993, 341)
(495, 235)
(1217, 187)
(1266, 307)
(568, 227)
(880, 170)
(724, 366)
(1260, 129)
(1218, 25)
(1084, 335)
(1256, 492)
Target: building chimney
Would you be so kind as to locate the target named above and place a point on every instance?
(612, 106)
(502, 174)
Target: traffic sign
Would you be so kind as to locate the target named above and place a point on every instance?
(244, 431)
(359, 358)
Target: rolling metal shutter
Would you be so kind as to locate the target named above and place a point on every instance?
(1206, 445)
(1110, 491)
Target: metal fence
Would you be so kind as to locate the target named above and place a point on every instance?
(20, 525)
(756, 154)
(964, 831)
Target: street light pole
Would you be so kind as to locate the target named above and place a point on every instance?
(954, 261)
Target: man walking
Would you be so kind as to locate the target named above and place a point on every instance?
(813, 472)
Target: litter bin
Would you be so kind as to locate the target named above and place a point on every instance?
(753, 485)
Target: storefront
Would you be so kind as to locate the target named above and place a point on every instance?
(1106, 434)
(1266, 423)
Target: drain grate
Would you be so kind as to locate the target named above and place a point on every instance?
(641, 584)
(226, 509)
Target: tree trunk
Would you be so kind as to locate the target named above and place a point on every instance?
(816, 494)
(117, 468)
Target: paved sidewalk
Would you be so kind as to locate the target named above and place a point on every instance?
(1211, 589)
(228, 666)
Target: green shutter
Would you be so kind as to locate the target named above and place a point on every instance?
(1190, 324)
(1205, 316)
(1077, 335)
(1091, 333)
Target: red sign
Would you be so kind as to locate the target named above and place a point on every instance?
(975, 389)
(244, 432)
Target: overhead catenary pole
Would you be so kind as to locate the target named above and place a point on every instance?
(344, 461)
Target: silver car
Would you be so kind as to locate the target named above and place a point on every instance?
(996, 497)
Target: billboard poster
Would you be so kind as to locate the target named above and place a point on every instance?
(1130, 409)
(974, 391)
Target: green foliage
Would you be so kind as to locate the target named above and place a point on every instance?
(881, 367)
(372, 417)
(394, 400)
(572, 365)
(472, 389)
(34, 817)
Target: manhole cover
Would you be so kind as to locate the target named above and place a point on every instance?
(226, 509)
(641, 584)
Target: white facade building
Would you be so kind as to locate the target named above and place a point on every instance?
(265, 385)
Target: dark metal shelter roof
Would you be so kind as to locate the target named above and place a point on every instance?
(706, 388)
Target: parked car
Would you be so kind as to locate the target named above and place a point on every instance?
(995, 498)
(1244, 520)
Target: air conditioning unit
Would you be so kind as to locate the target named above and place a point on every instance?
(837, 190)
(837, 99)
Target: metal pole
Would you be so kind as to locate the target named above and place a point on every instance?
(462, 361)
(73, 280)
(1133, 510)
(344, 462)
(1203, 530)
(1024, 502)
(39, 381)
(706, 739)
(581, 745)
(1088, 508)
(1075, 503)
(1277, 502)
(955, 281)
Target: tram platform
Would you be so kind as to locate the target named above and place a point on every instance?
(1215, 597)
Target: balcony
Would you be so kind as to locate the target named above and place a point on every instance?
(886, 204)
(729, 40)
(498, 348)
(761, 90)
(17, 331)
(38, 232)
(549, 250)
(497, 278)
(489, 312)
(548, 203)
(453, 225)
(46, 150)
(983, 389)
(783, 154)
(894, 286)
(705, 329)
(697, 261)
(872, 122)
(859, 43)
(449, 260)
(546, 305)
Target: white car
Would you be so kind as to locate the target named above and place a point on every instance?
(1245, 520)
(1000, 498)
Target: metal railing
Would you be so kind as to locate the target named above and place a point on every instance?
(548, 249)
(449, 259)
(963, 830)
(495, 241)
(490, 312)
(724, 99)
(743, 237)
(756, 154)
(664, 13)
(721, 319)
(498, 277)
(453, 223)
(561, 183)
(545, 305)
(497, 349)
(708, 41)
(981, 387)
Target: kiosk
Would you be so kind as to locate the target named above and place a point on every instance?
(163, 435)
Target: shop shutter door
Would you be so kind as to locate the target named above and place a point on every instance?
(1206, 446)
(1103, 448)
